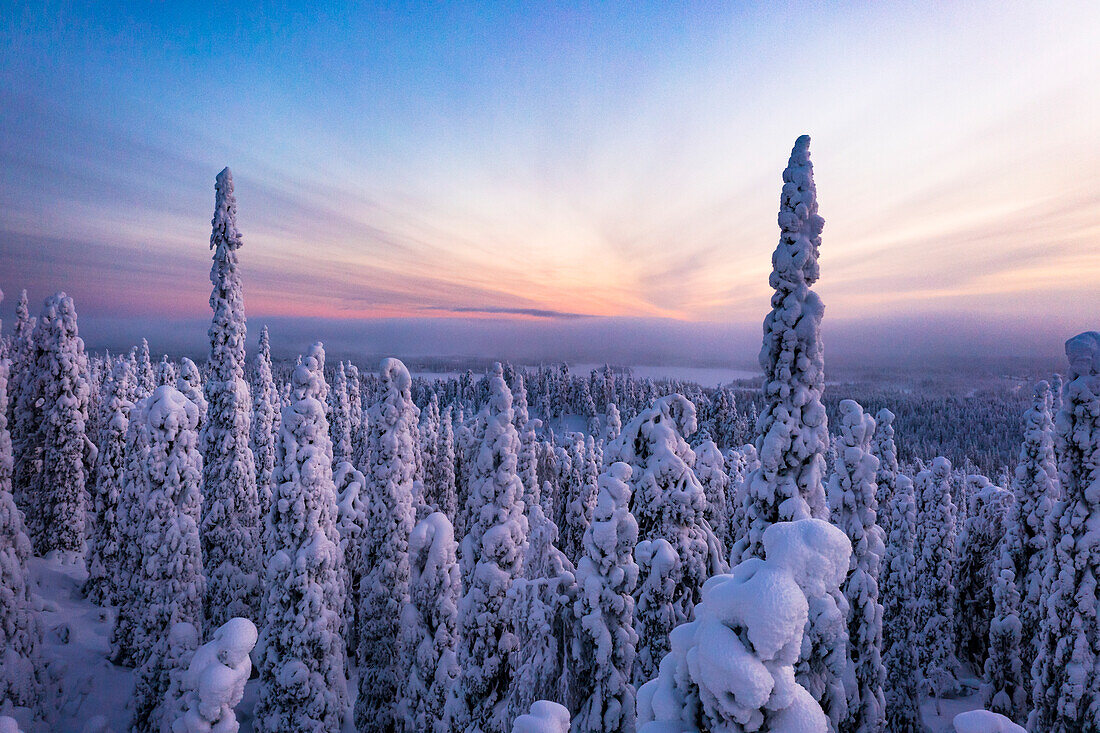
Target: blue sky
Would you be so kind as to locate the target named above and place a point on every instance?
(538, 162)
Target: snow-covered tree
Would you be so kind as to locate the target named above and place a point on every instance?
(732, 668)
(357, 414)
(429, 625)
(614, 424)
(491, 558)
(710, 468)
(339, 410)
(935, 608)
(1065, 683)
(20, 633)
(24, 411)
(60, 483)
(105, 552)
(168, 585)
(301, 648)
(886, 451)
(1003, 688)
(793, 430)
(656, 614)
(190, 383)
(974, 567)
(667, 499)
(166, 372)
(545, 717)
(899, 633)
(854, 510)
(146, 374)
(606, 641)
(440, 480)
(265, 422)
(384, 589)
(230, 510)
(351, 486)
(541, 607)
(581, 497)
(214, 681)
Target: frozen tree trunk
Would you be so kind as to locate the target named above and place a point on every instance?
(301, 647)
(20, 633)
(384, 589)
(1065, 683)
(852, 490)
(429, 625)
(605, 643)
(491, 559)
(732, 668)
(792, 431)
(60, 484)
(231, 509)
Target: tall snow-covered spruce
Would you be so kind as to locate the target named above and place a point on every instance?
(1065, 682)
(20, 632)
(60, 483)
(384, 588)
(265, 422)
(429, 625)
(854, 509)
(301, 647)
(491, 558)
(230, 510)
(605, 636)
(792, 430)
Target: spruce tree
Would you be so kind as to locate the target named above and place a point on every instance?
(899, 633)
(230, 510)
(60, 484)
(340, 417)
(793, 430)
(1065, 683)
(146, 375)
(24, 413)
(265, 422)
(384, 589)
(491, 558)
(606, 640)
(429, 625)
(301, 646)
(851, 493)
(710, 468)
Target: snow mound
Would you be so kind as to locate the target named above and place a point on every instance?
(214, 682)
(983, 721)
(545, 717)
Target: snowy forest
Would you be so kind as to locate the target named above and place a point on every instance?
(241, 543)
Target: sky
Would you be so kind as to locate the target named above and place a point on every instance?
(600, 179)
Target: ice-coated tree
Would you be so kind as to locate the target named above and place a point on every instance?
(146, 374)
(656, 615)
(606, 641)
(1065, 683)
(356, 413)
(854, 510)
(339, 410)
(974, 567)
(935, 607)
(667, 499)
(190, 383)
(491, 558)
(710, 468)
(541, 607)
(732, 668)
(60, 484)
(214, 681)
(899, 638)
(265, 422)
(105, 552)
(582, 496)
(614, 424)
(384, 589)
(20, 632)
(793, 430)
(301, 647)
(440, 482)
(23, 411)
(231, 523)
(429, 625)
(168, 583)
(886, 451)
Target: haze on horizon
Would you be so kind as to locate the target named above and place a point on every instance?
(522, 179)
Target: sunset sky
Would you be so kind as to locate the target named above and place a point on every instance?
(535, 166)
